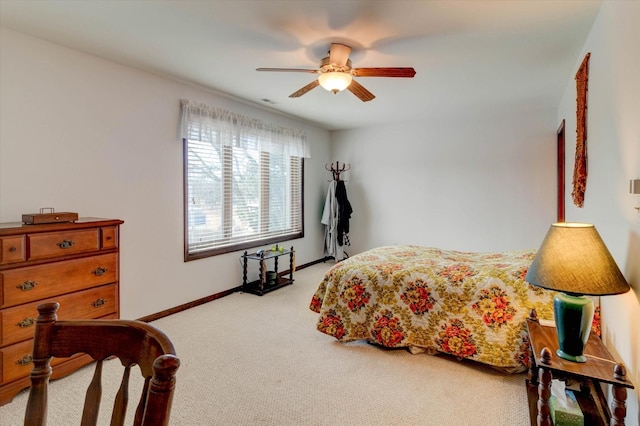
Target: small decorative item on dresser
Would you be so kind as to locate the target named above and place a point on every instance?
(48, 215)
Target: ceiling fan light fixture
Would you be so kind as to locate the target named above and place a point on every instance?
(335, 74)
(335, 81)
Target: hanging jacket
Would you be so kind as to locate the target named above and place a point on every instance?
(344, 211)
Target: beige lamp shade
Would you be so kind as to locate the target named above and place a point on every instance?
(573, 259)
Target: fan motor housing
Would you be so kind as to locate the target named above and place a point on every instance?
(326, 66)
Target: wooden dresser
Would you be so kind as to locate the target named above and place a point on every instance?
(75, 264)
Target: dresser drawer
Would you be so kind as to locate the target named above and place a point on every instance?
(18, 323)
(12, 249)
(61, 243)
(38, 282)
(16, 360)
(109, 237)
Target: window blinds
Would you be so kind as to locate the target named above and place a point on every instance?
(240, 190)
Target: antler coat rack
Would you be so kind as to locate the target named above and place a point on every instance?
(337, 169)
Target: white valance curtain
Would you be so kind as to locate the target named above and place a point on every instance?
(201, 122)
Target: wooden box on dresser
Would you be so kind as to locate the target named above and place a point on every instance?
(75, 264)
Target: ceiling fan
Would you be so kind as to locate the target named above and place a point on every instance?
(336, 74)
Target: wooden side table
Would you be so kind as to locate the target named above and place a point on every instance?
(600, 367)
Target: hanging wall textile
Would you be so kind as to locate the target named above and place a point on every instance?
(580, 166)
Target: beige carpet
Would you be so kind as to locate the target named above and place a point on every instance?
(250, 360)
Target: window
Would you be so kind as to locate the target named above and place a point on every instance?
(243, 182)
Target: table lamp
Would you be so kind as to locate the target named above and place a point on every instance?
(574, 261)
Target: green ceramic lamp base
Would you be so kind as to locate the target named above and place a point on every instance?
(574, 358)
(573, 315)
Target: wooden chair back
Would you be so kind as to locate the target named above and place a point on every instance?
(133, 342)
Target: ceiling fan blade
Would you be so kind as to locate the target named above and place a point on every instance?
(383, 72)
(359, 90)
(288, 70)
(339, 54)
(305, 89)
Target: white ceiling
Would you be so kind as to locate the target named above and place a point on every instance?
(469, 55)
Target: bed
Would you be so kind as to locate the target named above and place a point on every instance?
(469, 305)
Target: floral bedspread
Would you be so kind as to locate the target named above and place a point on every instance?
(470, 305)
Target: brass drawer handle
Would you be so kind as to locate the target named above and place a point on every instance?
(25, 360)
(12, 249)
(100, 270)
(27, 285)
(98, 303)
(64, 244)
(27, 322)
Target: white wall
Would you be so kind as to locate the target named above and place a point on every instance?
(483, 182)
(613, 144)
(86, 135)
